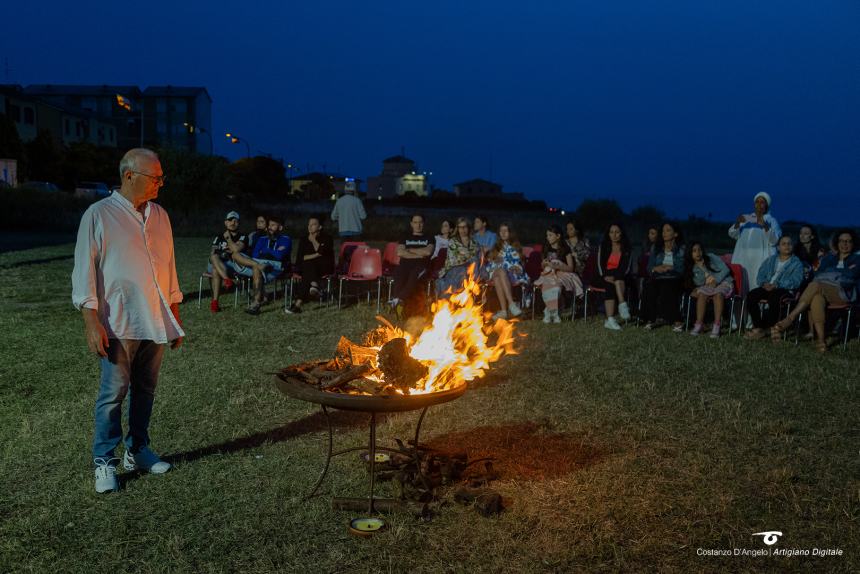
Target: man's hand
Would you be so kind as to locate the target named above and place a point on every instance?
(94, 331)
(176, 343)
(711, 281)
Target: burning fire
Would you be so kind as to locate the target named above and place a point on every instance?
(458, 345)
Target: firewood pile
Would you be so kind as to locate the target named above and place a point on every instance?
(423, 480)
(363, 369)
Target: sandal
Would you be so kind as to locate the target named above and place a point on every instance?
(821, 346)
(777, 330)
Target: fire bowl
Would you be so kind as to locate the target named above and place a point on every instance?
(301, 390)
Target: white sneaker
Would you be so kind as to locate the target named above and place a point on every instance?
(501, 314)
(155, 465)
(106, 475)
(715, 331)
(612, 324)
(624, 311)
(515, 310)
(547, 316)
(555, 318)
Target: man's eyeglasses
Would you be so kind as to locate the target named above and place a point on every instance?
(159, 179)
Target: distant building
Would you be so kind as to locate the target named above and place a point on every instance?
(66, 123)
(478, 188)
(398, 177)
(179, 117)
(316, 185)
(114, 115)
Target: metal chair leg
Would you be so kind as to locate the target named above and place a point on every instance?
(200, 292)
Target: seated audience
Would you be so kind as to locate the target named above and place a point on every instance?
(556, 274)
(614, 263)
(411, 274)
(314, 260)
(505, 267)
(710, 280)
(835, 283)
(272, 251)
(442, 238)
(482, 235)
(463, 251)
(778, 277)
(662, 297)
(578, 243)
(808, 248)
(226, 259)
(260, 230)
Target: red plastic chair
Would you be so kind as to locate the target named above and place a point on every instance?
(366, 266)
(346, 248)
(538, 247)
(390, 259)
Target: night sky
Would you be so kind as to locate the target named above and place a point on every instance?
(692, 106)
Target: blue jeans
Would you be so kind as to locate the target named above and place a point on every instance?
(129, 364)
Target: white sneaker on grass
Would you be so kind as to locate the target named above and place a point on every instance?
(612, 324)
(624, 311)
(547, 316)
(501, 314)
(555, 317)
(514, 310)
(146, 460)
(106, 475)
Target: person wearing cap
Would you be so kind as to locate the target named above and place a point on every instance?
(227, 259)
(348, 211)
(124, 284)
(756, 235)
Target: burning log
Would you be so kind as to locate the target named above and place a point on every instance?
(399, 369)
(344, 377)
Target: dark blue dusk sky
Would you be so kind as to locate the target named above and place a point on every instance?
(692, 106)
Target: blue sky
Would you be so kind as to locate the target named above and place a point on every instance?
(690, 106)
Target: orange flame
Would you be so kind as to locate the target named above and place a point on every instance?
(459, 344)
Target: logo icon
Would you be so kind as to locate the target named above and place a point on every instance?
(770, 537)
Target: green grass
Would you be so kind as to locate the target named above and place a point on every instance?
(617, 451)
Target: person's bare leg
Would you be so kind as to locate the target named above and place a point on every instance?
(701, 306)
(719, 305)
(500, 290)
(609, 304)
(506, 286)
(619, 290)
(258, 285)
(246, 261)
(219, 272)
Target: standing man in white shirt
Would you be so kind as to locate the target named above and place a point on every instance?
(125, 285)
(348, 212)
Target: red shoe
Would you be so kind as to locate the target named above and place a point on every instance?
(228, 283)
(214, 306)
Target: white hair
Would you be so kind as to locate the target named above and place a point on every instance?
(131, 160)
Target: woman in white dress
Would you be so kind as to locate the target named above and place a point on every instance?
(756, 235)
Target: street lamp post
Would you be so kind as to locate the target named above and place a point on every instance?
(236, 139)
(192, 128)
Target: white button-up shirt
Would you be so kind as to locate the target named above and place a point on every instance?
(125, 270)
